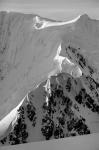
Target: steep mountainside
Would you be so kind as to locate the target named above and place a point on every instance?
(61, 106)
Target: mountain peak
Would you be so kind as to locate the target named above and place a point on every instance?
(83, 18)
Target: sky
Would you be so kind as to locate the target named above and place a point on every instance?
(58, 9)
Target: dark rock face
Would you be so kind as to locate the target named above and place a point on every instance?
(58, 116)
(63, 121)
(64, 108)
(19, 132)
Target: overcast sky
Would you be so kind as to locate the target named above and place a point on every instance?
(52, 8)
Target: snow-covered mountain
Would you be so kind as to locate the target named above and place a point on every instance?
(61, 106)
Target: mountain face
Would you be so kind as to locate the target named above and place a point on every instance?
(61, 110)
(60, 106)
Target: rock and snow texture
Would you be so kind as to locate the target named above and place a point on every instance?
(70, 111)
(71, 107)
